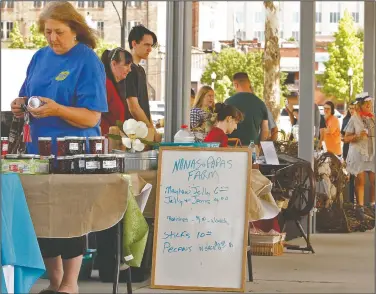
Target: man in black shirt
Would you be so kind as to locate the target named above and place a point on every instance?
(141, 42)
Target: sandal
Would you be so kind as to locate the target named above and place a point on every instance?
(47, 291)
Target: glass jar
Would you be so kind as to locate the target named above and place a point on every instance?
(82, 141)
(108, 163)
(64, 164)
(120, 162)
(44, 144)
(61, 146)
(27, 156)
(50, 162)
(4, 145)
(96, 145)
(91, 163)
(79, 164)
(73, 145)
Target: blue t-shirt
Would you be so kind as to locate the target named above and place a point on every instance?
(76, 78)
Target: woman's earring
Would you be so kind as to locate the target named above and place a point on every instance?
(75, 38)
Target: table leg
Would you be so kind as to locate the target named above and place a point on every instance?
(115, 286)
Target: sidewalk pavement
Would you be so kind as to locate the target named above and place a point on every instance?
(343, 263)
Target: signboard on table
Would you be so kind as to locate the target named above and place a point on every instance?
(201, 223)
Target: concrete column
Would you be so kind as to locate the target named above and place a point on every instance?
(307, 79)
(178, 66)
(369, 47)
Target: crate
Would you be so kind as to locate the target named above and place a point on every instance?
(267, 245)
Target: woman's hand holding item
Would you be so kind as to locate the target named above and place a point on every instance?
(16, 106)
(49, 108)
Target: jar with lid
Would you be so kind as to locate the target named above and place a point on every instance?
(91, 163)
(73, 145)
(61, 146)
(27, 156)
(82, 141)
(96, 145)
(50, 162)
(44, 144)
(12, 156)
(4, 145)
(79, 164)
(108, 163)
(64, 164)
(120, 158)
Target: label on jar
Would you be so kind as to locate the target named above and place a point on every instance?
(91, 164)
(109, 163)
(98, 146)
(81, 163)
(73, 146)
(5, 147)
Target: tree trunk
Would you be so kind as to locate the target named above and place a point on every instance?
(272, 92)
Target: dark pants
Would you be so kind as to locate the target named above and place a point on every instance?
(67, 248)
(352, 189)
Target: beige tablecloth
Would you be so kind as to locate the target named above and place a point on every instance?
(74, 205)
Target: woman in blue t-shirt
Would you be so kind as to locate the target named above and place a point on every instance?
(70, 78)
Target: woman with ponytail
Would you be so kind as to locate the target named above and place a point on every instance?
(228, 118)
(117, 64)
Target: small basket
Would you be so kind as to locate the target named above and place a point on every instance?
(267, 245)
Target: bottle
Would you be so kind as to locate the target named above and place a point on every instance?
(184, 135)
(252, 147)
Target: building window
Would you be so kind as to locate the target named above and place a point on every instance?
(296, 17)
(81, 4)
(260, 35)
(100, 29)
(6, 28)
(132, 24)
(259, 17)
(318, 33)
(136, 4)
(295, 35)
(7, 4)
(101, 4)
(240, 35)
(281, 34)
(318, 17)
(91, 4)
(335, 17)
(355, 16)
(39, 4)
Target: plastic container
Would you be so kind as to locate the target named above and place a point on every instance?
(82, 141)
(64, 164)
(61, 146)
(4, 145)
(184, 135)
(73, 145)
(252, 147)
(92, 164)
(44, 144)
(34, 102)
(96, 145)
(108, 163)
(79, 164)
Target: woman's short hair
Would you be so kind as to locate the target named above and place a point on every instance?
(331, 104)
(118, 54)
(223, 110)
(200, 96)
(65, 12)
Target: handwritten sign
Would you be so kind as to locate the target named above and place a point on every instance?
(200, 237)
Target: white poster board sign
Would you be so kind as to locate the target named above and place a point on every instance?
(200, 237)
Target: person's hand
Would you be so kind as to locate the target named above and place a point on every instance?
(49, 108)
(16, 106)
(363, 134)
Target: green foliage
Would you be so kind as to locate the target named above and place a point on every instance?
(102, 45)
(230, 61)
(345, 52)
(36, 40)
(360, 35)
(16, 38)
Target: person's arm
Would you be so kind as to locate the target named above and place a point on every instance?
(274, 134)
(291, 115)
(137, 112)
(264, 130)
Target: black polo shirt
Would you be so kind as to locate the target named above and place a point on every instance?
(135, 85)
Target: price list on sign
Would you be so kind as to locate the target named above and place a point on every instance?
(201, 223)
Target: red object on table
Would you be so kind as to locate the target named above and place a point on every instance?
(267, 224)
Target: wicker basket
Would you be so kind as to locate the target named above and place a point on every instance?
(267, 245)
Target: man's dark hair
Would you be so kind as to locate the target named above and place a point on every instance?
(138, 32)
(331, 104)
(193, 94)
(240, 77)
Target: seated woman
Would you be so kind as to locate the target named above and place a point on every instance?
(202, 113)
(117, 64)
(262, 205)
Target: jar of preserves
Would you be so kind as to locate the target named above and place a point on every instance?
(96, 145)
(64, 164)
(120, 162)
(27, 156)
(61, 146)
(44, 144)
(73, 145)
(79, 164)
(12, 156)
(91, 163)
(82, 141)
(50, 162)
(4, 145)
(108, 163)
